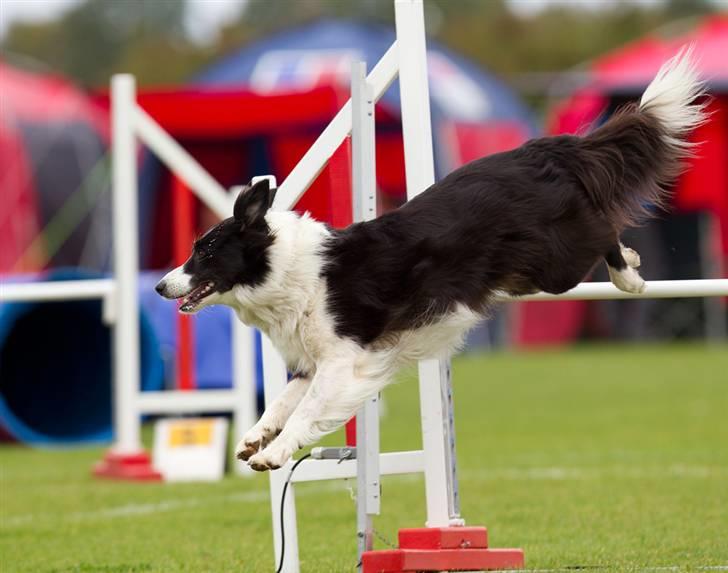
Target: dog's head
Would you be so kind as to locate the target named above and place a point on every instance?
(233, 252)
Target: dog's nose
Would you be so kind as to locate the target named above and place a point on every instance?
(160, 286)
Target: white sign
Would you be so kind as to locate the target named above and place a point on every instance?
(190, 449)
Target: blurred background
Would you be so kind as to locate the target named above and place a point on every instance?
(246, 86)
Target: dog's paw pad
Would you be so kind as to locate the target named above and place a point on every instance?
(260, 463)
(245, 450)
(266, 460)
(259, 467)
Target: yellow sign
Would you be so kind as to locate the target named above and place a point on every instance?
(190, 449)
(190, 433)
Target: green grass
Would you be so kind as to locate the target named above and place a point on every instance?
(611, 457)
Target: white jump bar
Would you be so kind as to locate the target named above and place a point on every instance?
(390, 463)
(184, 402)
(101, 288)
(56, 290)
(654, 289)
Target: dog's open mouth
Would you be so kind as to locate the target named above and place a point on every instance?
(190, 302)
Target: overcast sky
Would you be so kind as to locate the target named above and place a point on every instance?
(206, 16)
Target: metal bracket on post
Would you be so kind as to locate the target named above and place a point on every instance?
(365, 208)
(453, 487)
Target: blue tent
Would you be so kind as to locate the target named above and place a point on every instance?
(320, 52)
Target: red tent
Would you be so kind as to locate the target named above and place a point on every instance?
(615, 78)
(50, 136)
(631, 67)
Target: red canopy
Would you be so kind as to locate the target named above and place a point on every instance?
(42, 97)
(626, 71)
(622, 74)
(634, 65)
(38, 112)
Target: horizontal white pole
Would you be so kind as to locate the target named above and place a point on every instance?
(390, 463)
(180, 402)
(56, 290)
(315, 159)
(180, 162)
(653, 289)
(101, 288)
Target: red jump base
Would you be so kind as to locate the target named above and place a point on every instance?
(129, 467)
(442, 549)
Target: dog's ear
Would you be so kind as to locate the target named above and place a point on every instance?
(253, 203)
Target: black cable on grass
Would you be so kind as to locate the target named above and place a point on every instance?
(283, 501)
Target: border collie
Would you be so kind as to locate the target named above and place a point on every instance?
(346, 308)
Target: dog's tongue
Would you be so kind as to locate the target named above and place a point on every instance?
(190, 301)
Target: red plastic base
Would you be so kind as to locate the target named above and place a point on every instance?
(131, 467)
(442, 549)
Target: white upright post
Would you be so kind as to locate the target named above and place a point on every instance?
(275, 378)
(245, 386)
(437, 440)
(245, 413)
(126, 265)
(364, 201)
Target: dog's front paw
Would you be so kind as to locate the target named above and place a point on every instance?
(271, 458)
(254, 440)
(246, 448)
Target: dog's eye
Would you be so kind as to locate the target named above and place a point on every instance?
(199, 251)
(205, 250)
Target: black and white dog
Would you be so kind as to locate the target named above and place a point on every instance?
(346, 308)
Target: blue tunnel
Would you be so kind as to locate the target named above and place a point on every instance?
(56, 369)
(56, 362)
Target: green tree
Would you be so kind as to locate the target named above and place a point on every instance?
(147, 37)
(92, 40)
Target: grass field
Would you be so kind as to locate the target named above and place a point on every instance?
(608, 457)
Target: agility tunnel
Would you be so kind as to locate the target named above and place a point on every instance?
(56, 369)
(56, 361)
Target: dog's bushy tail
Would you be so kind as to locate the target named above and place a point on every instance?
(628, 165)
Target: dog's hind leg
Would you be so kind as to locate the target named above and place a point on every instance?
(273, 419)
(622, 263)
